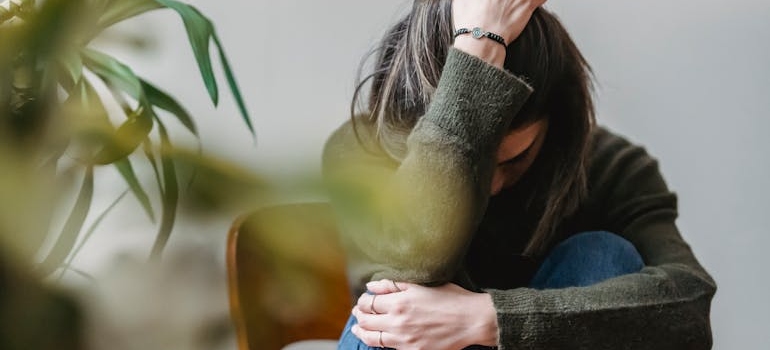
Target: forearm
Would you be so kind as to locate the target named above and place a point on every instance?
(665, 307)
(439, 192)
(419, 214)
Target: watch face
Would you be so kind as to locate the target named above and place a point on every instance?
(477, 33)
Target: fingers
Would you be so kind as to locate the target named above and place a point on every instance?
(370, 327)
(370, 322)
(372, 302)
(374, 338)
(366, 302)
(372, 310)
(385, 286)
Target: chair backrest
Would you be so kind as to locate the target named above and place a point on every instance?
(286, 276)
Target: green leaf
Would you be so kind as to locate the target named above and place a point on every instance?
(91, 128)
(72, 68)
(147, 147)
(199, 31)
(162, 100)
(43, 212)
(89, 111)
(127, 171)
(118, 10)
(49, 27)
(69, 233)
(114, 73)
(89, 233)
(233, 85)
(139, 124)
(170, 195)
(91, 103)
(127, 138)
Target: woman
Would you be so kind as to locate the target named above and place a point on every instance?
(481, 206)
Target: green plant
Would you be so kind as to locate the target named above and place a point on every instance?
(54, 123)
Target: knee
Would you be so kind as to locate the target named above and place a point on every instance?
(587, 258)
(600, 241)
(602, 248)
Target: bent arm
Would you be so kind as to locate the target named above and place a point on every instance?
(411, 220)
(664, 306)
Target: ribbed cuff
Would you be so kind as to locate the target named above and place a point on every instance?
(512, 308)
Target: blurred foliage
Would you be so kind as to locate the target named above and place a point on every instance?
(56, 128)
(59, 127)
(57, 133)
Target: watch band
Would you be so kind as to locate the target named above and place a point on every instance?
(479, 33)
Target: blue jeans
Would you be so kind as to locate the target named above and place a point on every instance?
(582, 260)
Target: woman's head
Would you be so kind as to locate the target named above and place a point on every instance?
(557, 117)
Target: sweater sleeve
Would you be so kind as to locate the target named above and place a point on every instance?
(664, 306)
(412, 220)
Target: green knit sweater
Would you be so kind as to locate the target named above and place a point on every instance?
(428, 218)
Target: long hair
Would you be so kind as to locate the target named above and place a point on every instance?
(409, 62)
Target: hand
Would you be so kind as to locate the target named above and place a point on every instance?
(506, 18)
(411, 316)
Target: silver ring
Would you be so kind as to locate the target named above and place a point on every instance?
(371, 306)
(395, 285)
(381, 345)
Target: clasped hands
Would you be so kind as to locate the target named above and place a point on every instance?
(408, 316)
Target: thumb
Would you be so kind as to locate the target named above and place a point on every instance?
(385, 286)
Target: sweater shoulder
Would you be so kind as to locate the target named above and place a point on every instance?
(624, 182)
(613, 156)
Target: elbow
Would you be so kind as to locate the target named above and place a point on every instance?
(686, 323)
(692, 319)
(420, 259)
(694, 331)
(696, 337)
(412, 264)
(424, 269)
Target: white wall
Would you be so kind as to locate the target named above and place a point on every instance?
(688, 79)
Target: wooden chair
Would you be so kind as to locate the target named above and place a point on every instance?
(286, 276)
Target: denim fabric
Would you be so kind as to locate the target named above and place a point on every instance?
(584, 259)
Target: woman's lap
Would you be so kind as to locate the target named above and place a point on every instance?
(584, 259)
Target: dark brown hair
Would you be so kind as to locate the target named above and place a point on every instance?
(410, 59)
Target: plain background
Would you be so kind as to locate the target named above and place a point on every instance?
(687, 79)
